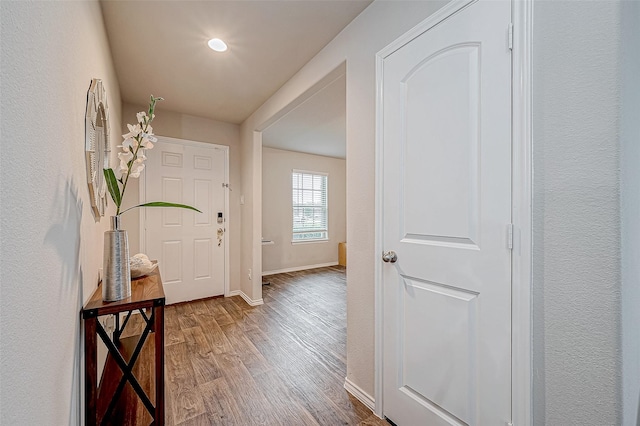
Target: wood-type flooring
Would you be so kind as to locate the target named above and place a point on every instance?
(281, 363)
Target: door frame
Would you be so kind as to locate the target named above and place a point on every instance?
(142, 195)
(521, 199)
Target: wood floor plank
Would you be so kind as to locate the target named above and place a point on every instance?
(373, 420)
(186, 403)
(216, 338)
(221, 316)
(324, 349)
(172, 332)
(200, 420)
(314, 401)
(252, 359)
(251, 401)
(289, 409)
(186, 317)
(201, 356)
(181, 384)
(199, 307)
(195, 340)
(281, 363)
(220, 403)
(232, 308)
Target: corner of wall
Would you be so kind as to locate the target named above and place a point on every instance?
(630, 211)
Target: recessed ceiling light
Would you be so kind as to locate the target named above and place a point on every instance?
(217, 45)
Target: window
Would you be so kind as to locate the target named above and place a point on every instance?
(310, 221)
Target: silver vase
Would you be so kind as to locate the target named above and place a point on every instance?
(116, 281)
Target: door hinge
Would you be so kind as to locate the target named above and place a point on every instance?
(510, 236)
(511, 36)
(225, 185)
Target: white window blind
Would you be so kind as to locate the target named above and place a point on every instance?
(310, 210)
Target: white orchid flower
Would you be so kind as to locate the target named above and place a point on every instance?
(136, 168)
(132, 158)
(129, 144)
(146, 143)
(125, 156)
(134, 131)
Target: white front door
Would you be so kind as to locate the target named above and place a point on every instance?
(189, 246)
(446, 210)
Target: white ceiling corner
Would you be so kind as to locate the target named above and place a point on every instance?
(160, 48)
(316, 126)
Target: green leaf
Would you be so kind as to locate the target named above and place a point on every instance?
(112, 185)
(163, 204)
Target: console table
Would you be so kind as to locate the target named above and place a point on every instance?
(103, 401)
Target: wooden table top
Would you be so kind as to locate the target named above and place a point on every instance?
(146, 291)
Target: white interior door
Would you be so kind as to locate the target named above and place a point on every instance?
(189, 246)
(446, 164)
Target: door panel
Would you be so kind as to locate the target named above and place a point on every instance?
(443, 167)
(171, 270)
(203, 191)
(448, 379)
(202, 258)
(189, 246)
(172, 193)
(446, 147)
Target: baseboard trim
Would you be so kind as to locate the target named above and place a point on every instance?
(246, 298)
(299, 268)
(360, 395)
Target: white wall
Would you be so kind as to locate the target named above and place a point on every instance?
(251, 213)
(51, 247)
(189, 127)
(576, 204)
(277, 213)
(630, 203)
(372, 30)
(576, 277)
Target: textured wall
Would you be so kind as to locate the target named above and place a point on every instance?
(576, 277)
(51, 247)
(630, 202)
(277, 213)
(189, 127)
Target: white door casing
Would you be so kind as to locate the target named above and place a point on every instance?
(445, 160)
(190, 247)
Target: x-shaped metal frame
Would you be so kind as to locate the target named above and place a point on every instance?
(127, 369)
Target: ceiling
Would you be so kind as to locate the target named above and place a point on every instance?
(317, 126)
(160, 48)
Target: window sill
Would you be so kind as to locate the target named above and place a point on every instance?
(296, 242)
